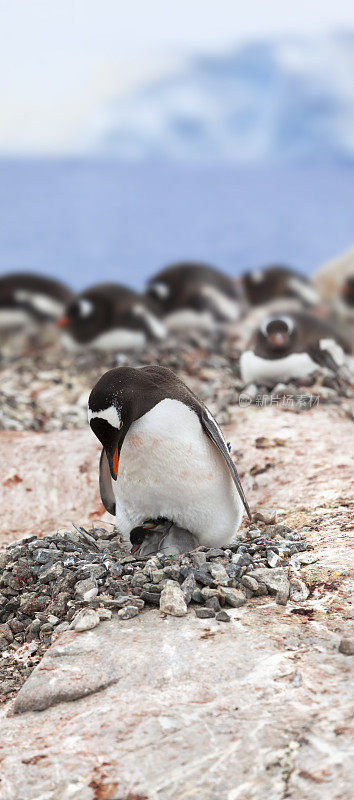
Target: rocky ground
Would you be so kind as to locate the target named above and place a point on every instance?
(248, 692)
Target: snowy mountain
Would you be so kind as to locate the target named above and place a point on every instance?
(288, 101)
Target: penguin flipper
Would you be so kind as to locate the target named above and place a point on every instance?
(212, 430)
(106, 490)
(329, 354)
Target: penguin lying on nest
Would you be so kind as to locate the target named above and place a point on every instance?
(28, 301)
(194, 295)
(291, 346)
(269, 284)
(109, 316)
(164, 456)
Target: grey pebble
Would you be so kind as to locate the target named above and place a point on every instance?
(205, 613)
(222, 616)
(347, 646)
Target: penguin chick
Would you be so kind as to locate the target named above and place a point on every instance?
(109, 316)
(194, 295)
(287, 346)
(163, 456)
(27, 300)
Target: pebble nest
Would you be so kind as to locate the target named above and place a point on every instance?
(77, 578)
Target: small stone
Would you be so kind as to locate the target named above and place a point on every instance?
(85, 587)
(32, 632)
(215, 552)
(213, 602)
(281, 597)
(206, 592)
(90, 594)
(273, 559)
(298, 590)
(203, 577)
(307, 558)
(52, 619)
(249, 583)
(153, 598)
(6, 632)
(157, 575)
(198, 559)
(219, 574)
(188, 587)
(197, 596)
(222, 616)
(266, 515)
(254, 532)
(205, 613)
(347, 646)
(172, 600)
(85, 620)
(104, 613)
(172, 572)
(128, 612)
(274, 579)
(233, 597)
(51, 573)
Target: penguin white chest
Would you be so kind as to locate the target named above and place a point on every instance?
(270, 370)
(169, 468)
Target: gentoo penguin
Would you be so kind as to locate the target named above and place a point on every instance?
(291, 346)
(163, 456)
(194, 295)
(28, 300)
(109, 316)
(263, 286)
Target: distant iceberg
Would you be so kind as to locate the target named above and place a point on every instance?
(287, 101)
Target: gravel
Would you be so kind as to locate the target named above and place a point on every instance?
(68, 579)
(48, 389)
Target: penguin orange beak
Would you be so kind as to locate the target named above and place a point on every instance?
(116, 462)
(278, 339)
(63, 322)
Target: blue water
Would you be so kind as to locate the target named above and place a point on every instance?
(98, 220)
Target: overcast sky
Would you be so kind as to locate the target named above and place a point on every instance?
(62, 60)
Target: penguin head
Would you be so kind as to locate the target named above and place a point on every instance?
(121, 396)
(278, 333)
(347, 291)
(85, 316)
(259, 285)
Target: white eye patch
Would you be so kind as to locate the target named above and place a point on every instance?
(85, 307)
(111, 415)
(256, 276)
(160, 289)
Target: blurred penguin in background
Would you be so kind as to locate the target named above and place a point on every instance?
(108, 316)
(276, 282)
(271, 290)
(27, 301)
(194, 296)
(292, 346)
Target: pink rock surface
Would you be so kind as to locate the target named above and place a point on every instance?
(47, 481)
(259, 708)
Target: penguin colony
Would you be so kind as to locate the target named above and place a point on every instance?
(164, 459)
